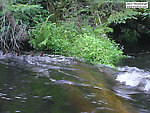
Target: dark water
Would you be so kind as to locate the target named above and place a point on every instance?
(58, 84)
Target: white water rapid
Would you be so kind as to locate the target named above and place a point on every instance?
(134, 78)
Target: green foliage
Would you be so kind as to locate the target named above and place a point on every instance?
(75, 36)
(96, 49)
(29, 14)
(122, 16)
(128, 36)
(21, 1)
(145, 13)
(50, 36)
(103, 30)
(132, 27)
(84, 43)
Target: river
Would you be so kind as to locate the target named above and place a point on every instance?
(58, 84)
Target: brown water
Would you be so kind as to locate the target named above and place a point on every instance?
(58, 84)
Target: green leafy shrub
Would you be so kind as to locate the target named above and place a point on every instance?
(122, 16)
(29, 14)
(66, 39)
(96, 49)
(49, 36)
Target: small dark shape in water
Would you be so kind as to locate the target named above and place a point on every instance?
(32, 53)
(4, 52)
(41, 53)
(18, 53)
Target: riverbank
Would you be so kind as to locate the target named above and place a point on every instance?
(66, 39)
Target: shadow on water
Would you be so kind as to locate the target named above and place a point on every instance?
(58, 84)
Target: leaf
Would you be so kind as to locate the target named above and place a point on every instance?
(43, 43)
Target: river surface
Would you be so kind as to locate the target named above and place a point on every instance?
(58, 84)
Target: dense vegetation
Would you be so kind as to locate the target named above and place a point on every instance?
(79, 28)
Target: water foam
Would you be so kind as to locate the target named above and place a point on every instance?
(134, 77)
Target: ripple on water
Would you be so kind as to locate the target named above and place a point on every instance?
(6, 98)
(47, 97)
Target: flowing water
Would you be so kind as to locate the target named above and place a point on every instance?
(58, 84)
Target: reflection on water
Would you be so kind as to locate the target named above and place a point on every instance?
(58, 84)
